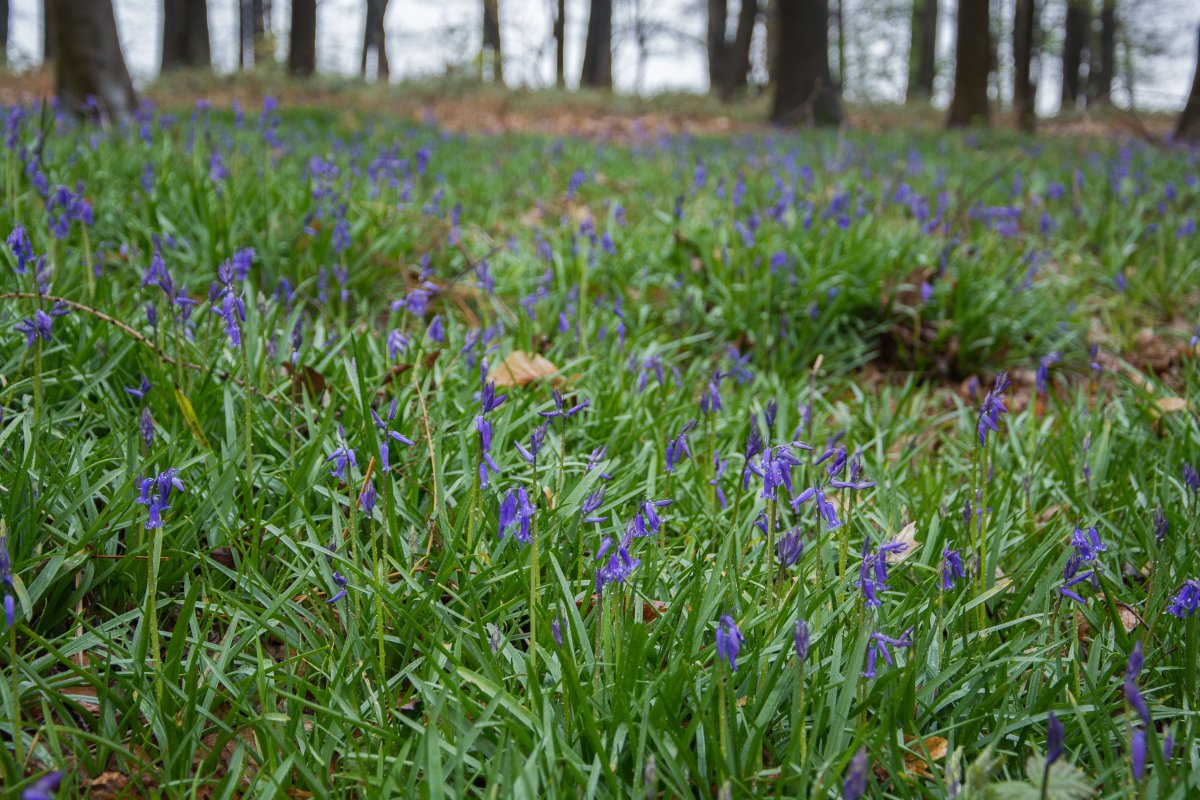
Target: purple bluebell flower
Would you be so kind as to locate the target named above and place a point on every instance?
(775, 468)
(729, 640)
(880, 646)
(397, 343)
(719, 466)
(34, 328)
(1133, 695)
(18, 242)
(789, 548)
(952, 568)
(437, 329)
(142, 390)
(1043, 370)
(560, 410)
(1168, 746)
(1161, 526)
(389, 434)
(677, 447)
(341, 457)
(517, 510)
(6, 583)
(825, 509)
(1186, 601)
(485, 446)
(146, 426)
(855, 785)
(1087, 544)
(754, 446)
(646, 521)
(619, 566)
(155, 494)
(591, 504)
(44, 788)
(340, 581)
(489, 400)
(535, 444)
(368, 498)
(993, 406)
(233, 311)
(1137, 753)
(710, 398)
(800, 640)
(835, 454)
(594, 460)
(1054, 739)
(556, 630)
(1191, 478)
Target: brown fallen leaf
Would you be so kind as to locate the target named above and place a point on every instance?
(1168, 405)
(906, 536)
(916, 763)
(108, 786)
(520, 368)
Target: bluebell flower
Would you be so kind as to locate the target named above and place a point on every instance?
(1043, 370)
(6, 583)
(142, 390)
(825, 509)
(18, 242)
(556, 630)
(368, 498)
(677, 447)
(44, 788)
(1186, 601)
(146, 425)
(719, 467)
(952, 568)
(535, 444)
(155, 494)
(485, 446)
(489, 400)
(710, 398)
(1137, 753)
(340, 581)
(800, 640)
(789, 548)
(880, 646)
(397, 343)
(560, 410)
(1133, 695)
(1161, 526)
(594, 460)
(342, 457)
(37, 326)
(1191, 478)
(619, 566)
(647, 521)
(516, 509)
(754, 446)
(388, 434)
(993, 406)
(591, 504)
(729, 640)
(1054, 739)
(855, 785)
(775, 469)
(437, 329)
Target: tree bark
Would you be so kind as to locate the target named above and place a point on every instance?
(771, 23)
(375, 38)
(804, 91)
(90, 74)
(718, 11)
(1104, 57)
(1188, 127)
(185, 35)
(302, 39)
(3, 31)
(597, 49)
(1074, 43)
(47, 32)
(922, 53)
(491, 38)
(729, 61)
(1024, 84)
(840, 20)
(560, 45)
(972, 64)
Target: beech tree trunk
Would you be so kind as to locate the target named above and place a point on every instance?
(3, 31)
(252, 32)
(597, 49)
(491, 39)
(47, 32)
(90, 77)
(1024, 84)
(1074, 43)
(185, 35)
(560, 44)
(1104, 56)
(302, 39)
(729, 61)
(375, 38)
(1188, 127)
(771, 23)
(804, 91)
(972, 63)
(922, 53)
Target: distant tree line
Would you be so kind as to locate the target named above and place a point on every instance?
(803, 40)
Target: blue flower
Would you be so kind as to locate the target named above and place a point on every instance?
(1186, 601)
(952, 568)
(155, 494)
(516, 509)
(6, 583)
(619, 566)
(729, 640)
(1132, 695)
(342, 457)
(719, 466)
(44, 788)
(1043, 370)
(677, 447)
(789, 548)
(800, 640)
(535, 444)
(559, 410)
(142, 390)
(1054, 739)
(1137, 753)
(993, 406)
(855, 785)
(880, 645)
(340, 581)
(389, 434)
(591, 504)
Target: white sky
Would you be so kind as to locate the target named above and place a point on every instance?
(430, 36)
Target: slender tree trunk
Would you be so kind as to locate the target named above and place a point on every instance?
(3, 31)
(718, 11)
(88, 64)
(47, 32)
(185, 35)
(1074, 43)
(491, 38)
(1104, 57)
(597, 49)
(1188, 127)
(302, 39)
(738, 76)
(922, 54)
(1024, 85)
(804, 91)
(772, 26)
(375, 38)
(841, 43)
(972, 64)
(560, 45)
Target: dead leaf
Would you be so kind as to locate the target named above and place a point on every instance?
(108, 786)
(85, 696)
(520, 368)
(1169, 405)
(916, 763)
(907, 536)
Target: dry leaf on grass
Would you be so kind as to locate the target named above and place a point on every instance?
(915, 762)
(520, 368)
(1168, 405)
(906, 536)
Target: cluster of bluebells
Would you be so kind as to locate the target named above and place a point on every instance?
(729, 640)
(516, 511)
(489, 401)
(993, 406)
(1186, 600)
(155, 494)
(388, 433)
(873, 570)
(1088, 547)
(880, 645)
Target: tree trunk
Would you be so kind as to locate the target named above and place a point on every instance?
(841, 42)
(1024, 85)
(922, 54)
(375, 38)
(491, 38)
(1072, 55)
(47, 32)
(1104, 57)
(1188, 127)
(738, 76)
(88, 62)
(185, 35)
(804, 91)
(302, 39)
(3, 31)
(718, 11)
(597, 49)
(772, 25)
(972, 63)
(560, 45)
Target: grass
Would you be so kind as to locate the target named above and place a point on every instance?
(868, 286)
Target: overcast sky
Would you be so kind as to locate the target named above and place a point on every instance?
(431, 36)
